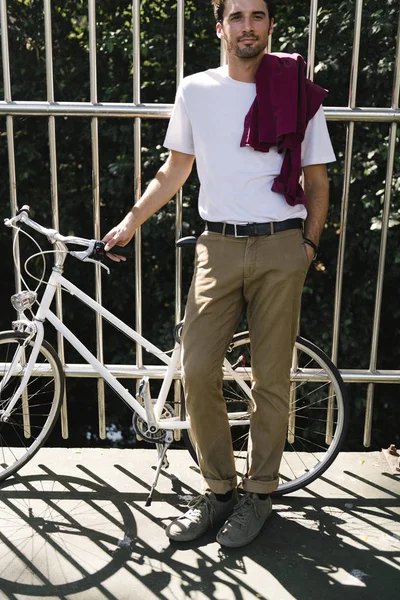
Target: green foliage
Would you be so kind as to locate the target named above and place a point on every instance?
(115, 68)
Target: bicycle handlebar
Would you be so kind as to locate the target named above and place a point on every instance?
(96, 248)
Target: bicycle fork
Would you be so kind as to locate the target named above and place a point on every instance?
(18, 365)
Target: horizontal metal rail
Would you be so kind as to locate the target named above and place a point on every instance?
(86, 109)
(163, 111)
(348, 375)
(137, 111)
(158, 372)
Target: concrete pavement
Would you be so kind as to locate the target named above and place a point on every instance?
(74, 525)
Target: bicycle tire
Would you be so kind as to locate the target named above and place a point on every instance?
(33, 417)
(313, 375)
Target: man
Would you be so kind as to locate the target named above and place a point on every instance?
(238, 264)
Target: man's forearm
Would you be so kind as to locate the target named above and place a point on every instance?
(317, 193)
(168, 180)
(161, 189)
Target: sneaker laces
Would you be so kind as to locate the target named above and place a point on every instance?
(241, 512)
(197, 507)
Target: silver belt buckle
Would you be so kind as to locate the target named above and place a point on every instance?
(235, 225)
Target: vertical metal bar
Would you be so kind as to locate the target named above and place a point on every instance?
(12, 180)
(179, 195)
(54, 186)
(13, 183)
(346, 180)
(310, 74)
(10, 130)
(396, 80)
(312, 28)
(344, 209)
(137, 132)
(96, 208)
(311, 39)
(382, 251)
(180, 42)
(4, 51)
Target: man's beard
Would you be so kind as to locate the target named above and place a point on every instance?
(247, 52)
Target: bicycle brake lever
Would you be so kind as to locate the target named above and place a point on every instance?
(83, 255)
(97, 262)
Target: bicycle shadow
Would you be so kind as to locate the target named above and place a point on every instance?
(66, 534)
(60, 535)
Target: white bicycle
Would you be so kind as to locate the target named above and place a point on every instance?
(32, 382)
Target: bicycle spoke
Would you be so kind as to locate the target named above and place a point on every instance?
(289, 465)
(34, 412)
(317, 419)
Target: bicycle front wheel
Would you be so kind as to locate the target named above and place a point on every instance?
(33, 416)
(318, 414)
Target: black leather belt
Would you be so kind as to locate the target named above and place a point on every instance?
(252, 229)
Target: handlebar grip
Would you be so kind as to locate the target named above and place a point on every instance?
(98, 251)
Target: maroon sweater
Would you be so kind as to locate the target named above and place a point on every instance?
(284, 104)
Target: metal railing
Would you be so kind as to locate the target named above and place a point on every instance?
(50, 109)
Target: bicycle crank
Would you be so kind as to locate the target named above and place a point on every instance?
(143, 432)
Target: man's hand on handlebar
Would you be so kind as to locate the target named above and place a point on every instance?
(120, 235)
(117, 238)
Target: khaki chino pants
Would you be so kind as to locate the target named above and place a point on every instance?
(265, 274)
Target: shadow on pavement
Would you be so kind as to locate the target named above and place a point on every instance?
(63, 535)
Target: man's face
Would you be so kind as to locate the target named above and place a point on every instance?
(245, 27)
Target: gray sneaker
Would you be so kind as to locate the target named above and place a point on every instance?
(204, 512)
(246, 522)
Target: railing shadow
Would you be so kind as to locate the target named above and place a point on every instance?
(63, 535)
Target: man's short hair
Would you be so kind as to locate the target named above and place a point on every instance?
(219, 7)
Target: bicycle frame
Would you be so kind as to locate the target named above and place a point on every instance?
(44, 313)
(155, 421)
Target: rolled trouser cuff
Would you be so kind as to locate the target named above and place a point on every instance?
(255, 486)
(219, 486)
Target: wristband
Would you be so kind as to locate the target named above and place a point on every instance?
(313, 246)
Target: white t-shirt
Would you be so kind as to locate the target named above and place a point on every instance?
(235, 183)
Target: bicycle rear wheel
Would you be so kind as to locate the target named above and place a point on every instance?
(318, 414)
(36, 411)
